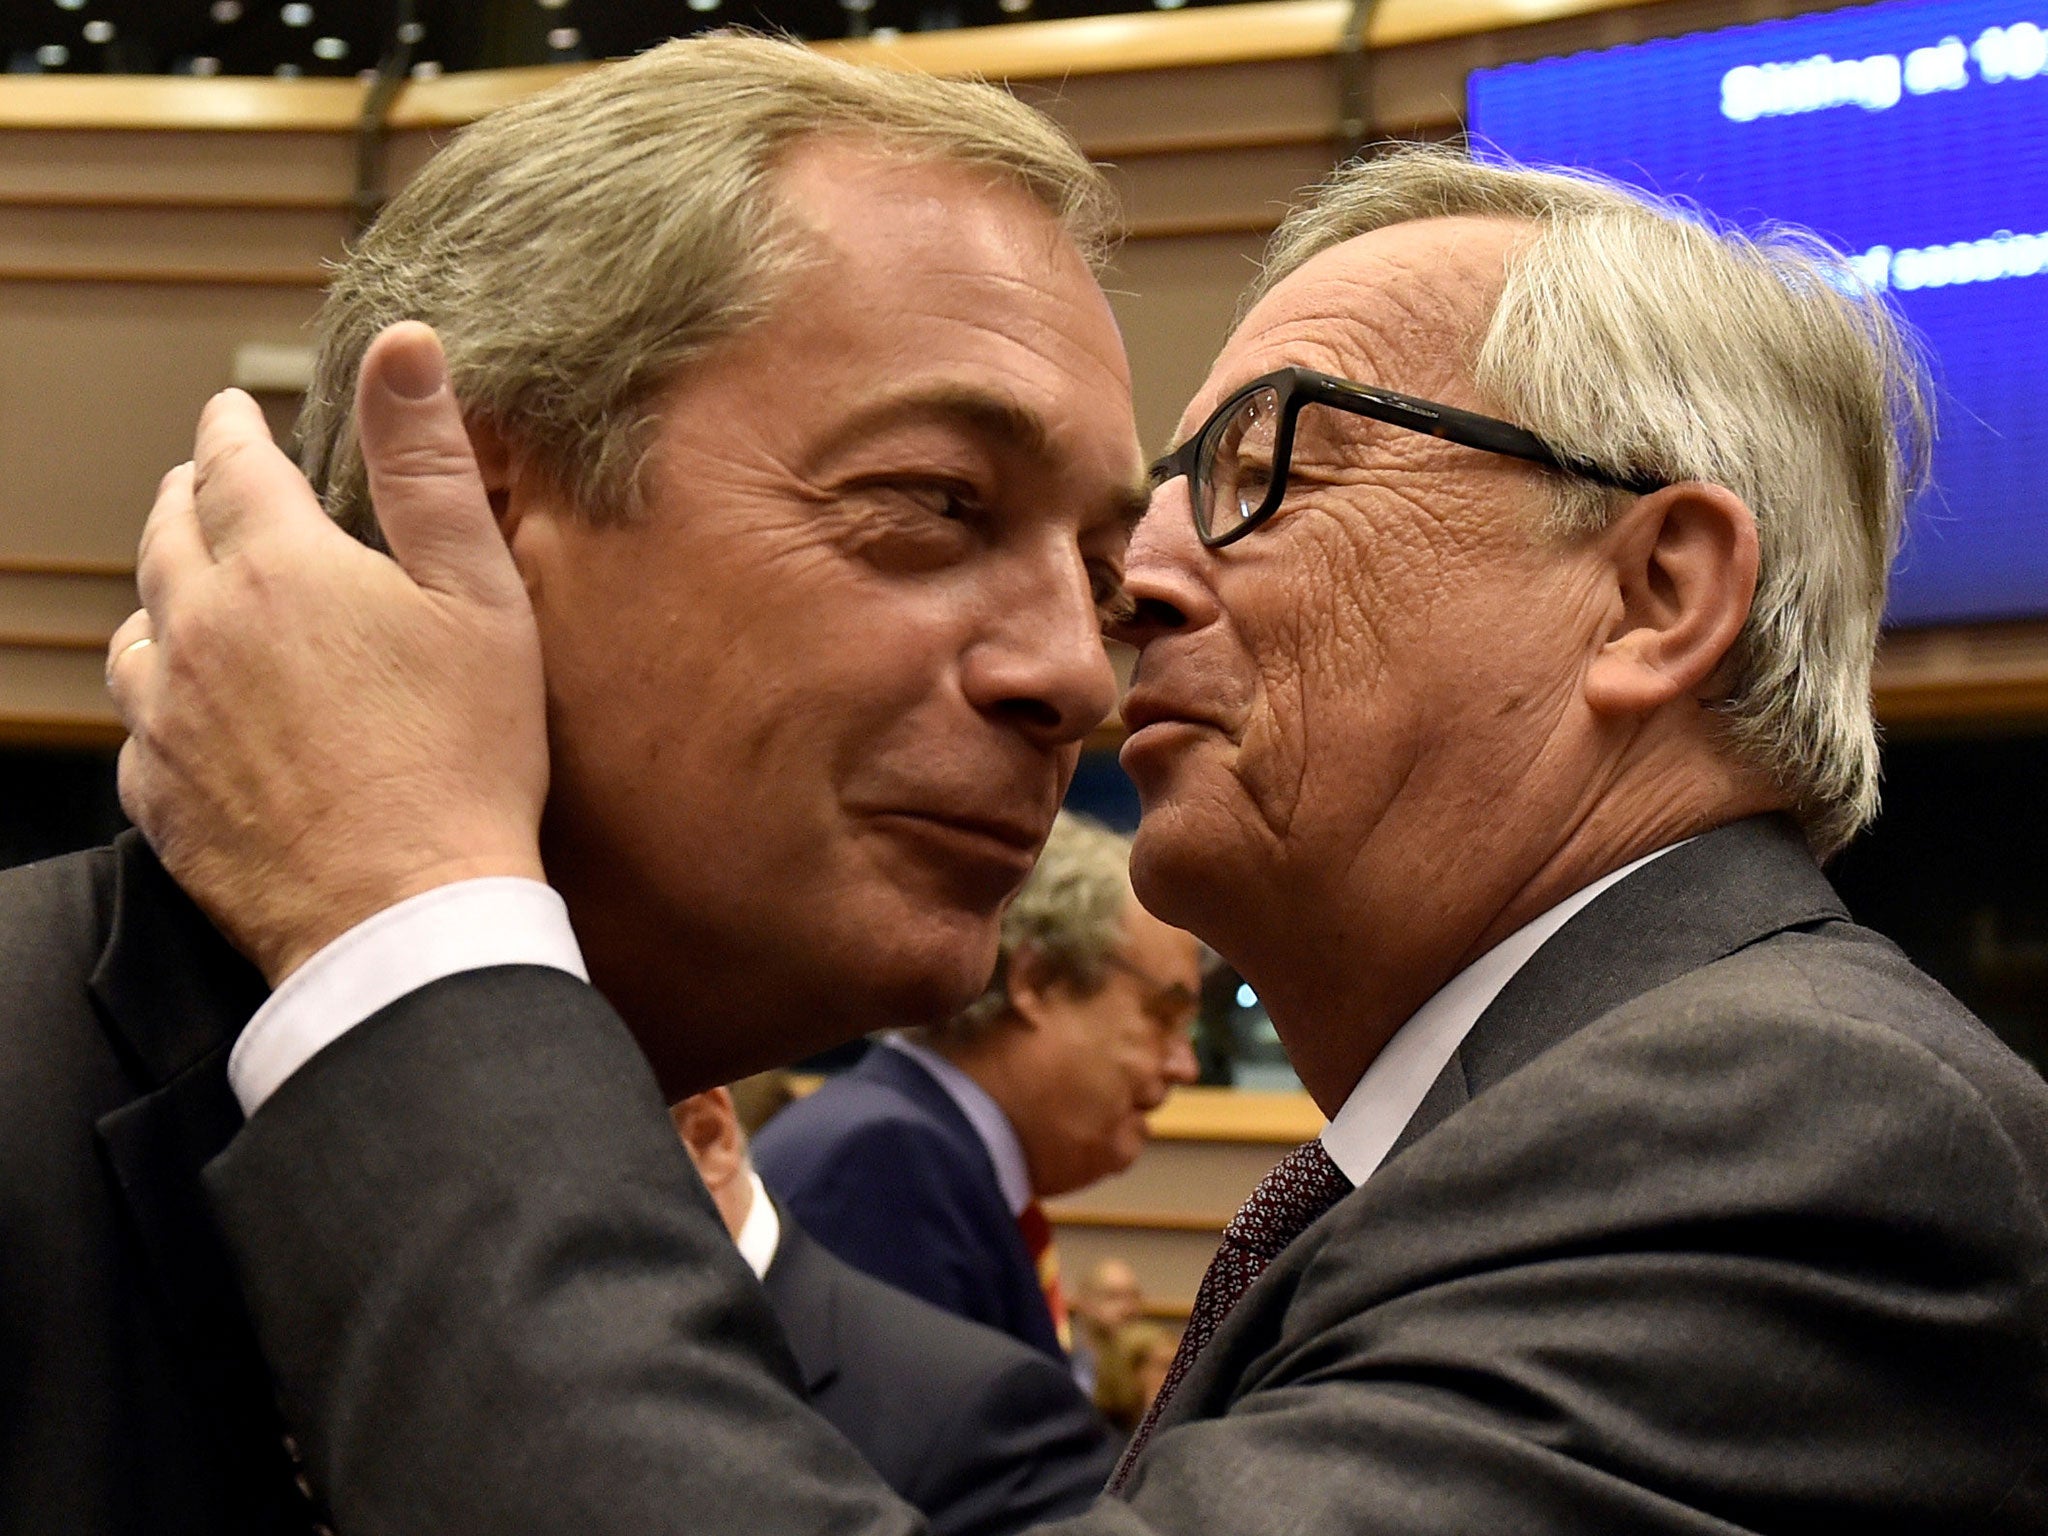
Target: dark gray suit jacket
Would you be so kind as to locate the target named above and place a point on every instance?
(132, 1395)
(1723, 1219)
(983, 1434)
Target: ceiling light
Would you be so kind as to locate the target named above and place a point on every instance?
(296, 15)
(53, 55)
(99, 31)
(329, 48)
(205, 65)
(562, 39)
(225, 11)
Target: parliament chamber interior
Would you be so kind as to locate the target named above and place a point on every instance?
(177, 181)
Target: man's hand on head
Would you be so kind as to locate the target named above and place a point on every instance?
(318, 731)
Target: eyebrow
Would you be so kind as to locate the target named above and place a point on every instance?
(991, 416)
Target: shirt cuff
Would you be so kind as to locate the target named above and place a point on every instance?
(466, 926)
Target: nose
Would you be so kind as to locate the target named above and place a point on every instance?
(1163, 579)
(1180, 1067)
(1041, 665)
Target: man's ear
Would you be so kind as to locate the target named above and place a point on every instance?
(1028, 979)
(495, 463)
(516, 495)
(1683, 563)
(710, 1130)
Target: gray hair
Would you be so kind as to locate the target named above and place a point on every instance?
(1069, 915)
(576, 249)
(1636, 334)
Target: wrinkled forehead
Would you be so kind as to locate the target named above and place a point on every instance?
(1404, 307)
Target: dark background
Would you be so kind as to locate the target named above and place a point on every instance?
(270, 37)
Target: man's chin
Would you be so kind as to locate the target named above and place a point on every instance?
(878, 944)
(1174, 866)
(705, 1058)
(929, 987)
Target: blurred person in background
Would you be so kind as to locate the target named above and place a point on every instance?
(925, 1165)
(984, 1435)
(1134, 1361)
(1108, 1297)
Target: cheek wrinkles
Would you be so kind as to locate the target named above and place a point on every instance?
(1366, 575)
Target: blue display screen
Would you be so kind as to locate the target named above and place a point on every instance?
(1914, 138)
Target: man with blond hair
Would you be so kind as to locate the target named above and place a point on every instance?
(1505, 619)
(926, 1165)
(803, 435)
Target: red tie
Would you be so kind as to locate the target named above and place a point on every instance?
(1031, 1221)
(1304, 1185)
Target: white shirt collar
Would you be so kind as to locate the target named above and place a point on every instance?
(761, 1233)
(1013, 1178)
(1364, 1130)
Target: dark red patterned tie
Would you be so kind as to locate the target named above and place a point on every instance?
(1304, 1185)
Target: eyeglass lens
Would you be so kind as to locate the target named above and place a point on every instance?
(1240, 471)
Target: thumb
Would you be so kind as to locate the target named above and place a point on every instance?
(424, 484)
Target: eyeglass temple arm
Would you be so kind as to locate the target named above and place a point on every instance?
(1487, 433)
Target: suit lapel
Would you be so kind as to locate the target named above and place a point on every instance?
(1724, 890)
(1720, 893)
(908, 1076)
(172, 996)
(169, 988)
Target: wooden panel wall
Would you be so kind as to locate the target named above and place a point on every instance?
(138, 253)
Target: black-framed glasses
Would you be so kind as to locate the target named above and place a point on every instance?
(1236, 464)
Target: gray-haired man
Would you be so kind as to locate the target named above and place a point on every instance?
(1505, 620)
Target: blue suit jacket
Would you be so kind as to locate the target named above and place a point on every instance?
(882, 1168)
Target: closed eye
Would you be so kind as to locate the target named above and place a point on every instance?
(909, 523)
